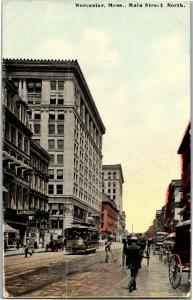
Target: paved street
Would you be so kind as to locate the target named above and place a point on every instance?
(56, 274)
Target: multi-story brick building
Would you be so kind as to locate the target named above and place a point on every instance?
(66, 122)
(108, 222)
(17, 163)
(112, 186)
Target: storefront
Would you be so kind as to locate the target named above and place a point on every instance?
(11, 236)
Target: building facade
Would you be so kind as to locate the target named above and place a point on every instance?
(112, 186)
(39, 222)
(173, 204)
(65, 122)
(108, 222)
(184, 151)
(160, 217)
(17, 163)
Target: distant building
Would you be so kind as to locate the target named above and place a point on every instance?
(65, 122)
(112, 182)
(124, 223)
(108, 222)
(160, 214)
(151, 231)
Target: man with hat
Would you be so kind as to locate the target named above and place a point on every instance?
(134, 254)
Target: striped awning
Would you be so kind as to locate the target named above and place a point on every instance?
(7, 228)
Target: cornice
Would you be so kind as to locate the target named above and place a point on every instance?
(54, 65)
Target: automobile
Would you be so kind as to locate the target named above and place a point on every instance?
(55, 245)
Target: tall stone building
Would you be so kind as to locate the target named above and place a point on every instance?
(112, 186)
(66, 122)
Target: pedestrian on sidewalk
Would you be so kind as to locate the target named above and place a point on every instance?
(133, 253)
(26, 248)
(108, 250)
(30, 250)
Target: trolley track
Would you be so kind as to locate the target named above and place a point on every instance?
(57, 270)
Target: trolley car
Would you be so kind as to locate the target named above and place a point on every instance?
(81, 239)
(180, 259)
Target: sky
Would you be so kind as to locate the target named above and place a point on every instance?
(137, 66)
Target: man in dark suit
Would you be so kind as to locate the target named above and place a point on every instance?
(134, 255)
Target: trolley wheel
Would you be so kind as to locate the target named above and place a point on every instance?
(175, 271)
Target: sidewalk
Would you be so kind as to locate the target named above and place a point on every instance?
(20, 251)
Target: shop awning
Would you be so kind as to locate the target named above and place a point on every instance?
(8, 228)
(5, 190)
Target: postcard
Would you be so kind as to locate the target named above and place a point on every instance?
(96, 149)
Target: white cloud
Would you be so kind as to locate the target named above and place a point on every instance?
(93, 49)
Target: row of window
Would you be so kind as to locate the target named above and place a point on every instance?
(58, 175)
(56, 159)
(37, 162)
(92, 160)
(17, 138)
(54, 100)
(87, 198)
(52, 115)
(111, 197)
(55, 144)
(56, 212)
(110, 175)
(36, 99)
(110, 191)
(88, 176)
(51, 189)
(85, 143)
(92, 130)
(110, 183)
(35, 85)
(57, 224)
(38, 183)
(52, 129)
(57, 85)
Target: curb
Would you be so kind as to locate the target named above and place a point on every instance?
(22, 253)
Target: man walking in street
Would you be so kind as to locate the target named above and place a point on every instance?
(134, 255)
